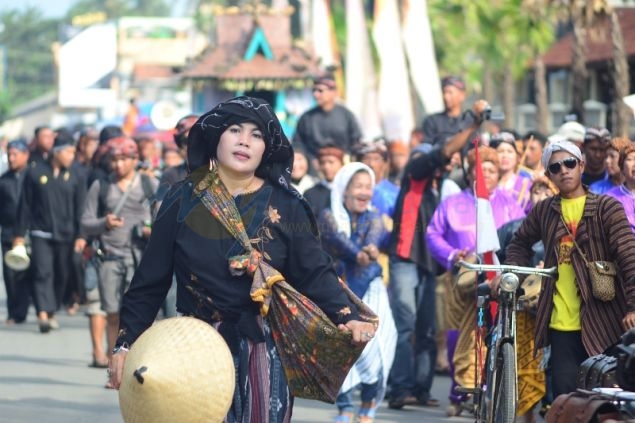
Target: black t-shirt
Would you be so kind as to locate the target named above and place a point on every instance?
(317, 128)
(439, 127)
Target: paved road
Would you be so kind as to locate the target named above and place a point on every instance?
(46, 378)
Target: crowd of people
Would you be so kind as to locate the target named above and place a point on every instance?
(390, 218)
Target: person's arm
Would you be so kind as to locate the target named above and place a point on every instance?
(335, 242)
(92, 224)
(519, 251)
(23, 222)
(310, 270)
(150, 284)
(376, 234)
(79, 200)
(621, 244)
(439, 248)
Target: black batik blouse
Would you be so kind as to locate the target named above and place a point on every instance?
(187, 240)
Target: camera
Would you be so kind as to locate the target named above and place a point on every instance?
(486, 114)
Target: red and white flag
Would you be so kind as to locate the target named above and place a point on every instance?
(486, 235)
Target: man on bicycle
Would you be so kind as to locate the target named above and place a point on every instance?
(576, 226)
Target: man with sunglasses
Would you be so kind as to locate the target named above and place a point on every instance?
(569, 318)
(328, 121)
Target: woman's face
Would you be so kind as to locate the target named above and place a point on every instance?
(540, 192)
(628, 168)
(376, 162)
(358, 193)
(507, 157)
(612, 162)
(240, 148)
(300, 166)
(490, 174)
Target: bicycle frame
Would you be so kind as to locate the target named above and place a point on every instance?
(495, 396)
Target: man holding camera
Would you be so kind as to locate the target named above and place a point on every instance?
(413, 270)
(117, 214)
(439, 127)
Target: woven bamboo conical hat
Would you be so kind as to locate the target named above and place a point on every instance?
(179, 370)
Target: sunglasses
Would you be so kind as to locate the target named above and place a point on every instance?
(556, 167)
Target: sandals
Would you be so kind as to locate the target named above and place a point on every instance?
(99, 364)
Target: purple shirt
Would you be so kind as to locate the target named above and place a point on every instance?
(453, 225)
(627, 198)
(520, 191)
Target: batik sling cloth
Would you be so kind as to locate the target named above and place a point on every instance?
(315, 354)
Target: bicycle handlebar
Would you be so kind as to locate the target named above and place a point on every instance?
(508, 268)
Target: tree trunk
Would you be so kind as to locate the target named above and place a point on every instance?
(622, 112)
(578, 65)
(542, 102)
(508, 96)
(488, 84)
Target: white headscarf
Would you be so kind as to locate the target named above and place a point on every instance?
(340, 182)
(567, 146)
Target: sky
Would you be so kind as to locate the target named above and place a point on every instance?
(50, 8)
(58, 8)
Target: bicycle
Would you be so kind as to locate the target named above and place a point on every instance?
(495, 395)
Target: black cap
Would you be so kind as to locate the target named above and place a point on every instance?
(18, 144)
(63, 139)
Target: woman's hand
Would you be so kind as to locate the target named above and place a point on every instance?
(115, 368)
(363, 259)
(362, 332)
(113, 221)
(460, 255)
(372, 251)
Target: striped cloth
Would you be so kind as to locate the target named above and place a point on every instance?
(377, 357)
(261, 394)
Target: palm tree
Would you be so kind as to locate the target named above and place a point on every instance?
(540, 19)
(588, 18)
(622, 114)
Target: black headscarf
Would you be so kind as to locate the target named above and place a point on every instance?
(277, 160)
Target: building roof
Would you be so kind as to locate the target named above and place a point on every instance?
(276, 64)
(599, 49)
(147, 71)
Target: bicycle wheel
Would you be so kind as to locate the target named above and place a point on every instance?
(504, 406)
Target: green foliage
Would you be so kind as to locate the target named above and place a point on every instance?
(469, 33)
(119, 8)
(27, 37)
(5, 105)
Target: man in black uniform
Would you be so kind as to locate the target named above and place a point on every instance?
(439, 127)
(16, 282)
(43, 139)
(175, 174)
(326, 122)
(50, 208)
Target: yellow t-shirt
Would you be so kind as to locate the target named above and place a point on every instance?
(566, 301)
